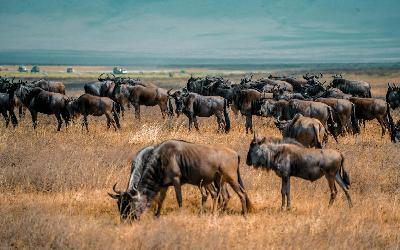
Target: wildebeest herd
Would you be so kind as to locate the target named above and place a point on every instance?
(306, 111)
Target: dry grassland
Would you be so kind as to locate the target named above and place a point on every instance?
(53, 190)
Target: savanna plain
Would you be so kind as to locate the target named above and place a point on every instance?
(53, 187)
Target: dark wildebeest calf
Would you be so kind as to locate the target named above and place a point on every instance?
(194, 105)
(393, 96)
(97, 106)
(289, 158)
(174, 163)
(308, 131)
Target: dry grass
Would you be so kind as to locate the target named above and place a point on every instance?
(53, 191)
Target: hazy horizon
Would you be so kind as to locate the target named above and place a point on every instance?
(279, 31)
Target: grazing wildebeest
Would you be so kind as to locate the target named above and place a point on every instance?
(38, 100)
(393, 96)
(344, 114)
(244, 100)
(194, 105)
(286, 110)
(288, 158)
(308, 131)
(266, 85)
(370, 108)
(97, 106)
(174, 163)
(149, 96)
(352, 87)
(50, 86)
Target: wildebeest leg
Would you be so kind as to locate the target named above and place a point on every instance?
(283, 191)
(196, 124)
(162, 109)
(137, 110)
(241, 193)
(58, 116)
(20, 111)
(6, 118)
(122, 110)
(249, 124)
(66, 118)
(13, 118)
(220, 121)
(332, 187)
(163, 193)
(34, 118)
(235, 111)
(339, 180)
(110, 121)
(204, 196)
(85, 122)
(382, 123)
(178, 191)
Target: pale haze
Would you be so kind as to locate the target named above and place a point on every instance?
(271, 31)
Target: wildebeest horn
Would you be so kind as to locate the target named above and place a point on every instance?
(116, 191)
(169, 92)
(99, 78)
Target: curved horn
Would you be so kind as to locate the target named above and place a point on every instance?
(169, 92)
(99, 78)
(116, 191)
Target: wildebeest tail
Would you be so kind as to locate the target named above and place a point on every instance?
(249, 205)
(343, 174)
(390, 124)
(369, 93)
(318, 142)
(332, 126)
(116, 107)
(226, 115)
(354, 122)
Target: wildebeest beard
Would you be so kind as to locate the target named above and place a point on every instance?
(147, 182)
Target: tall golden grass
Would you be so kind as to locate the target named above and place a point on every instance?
(53, 191)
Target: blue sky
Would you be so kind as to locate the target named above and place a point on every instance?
(297, 30)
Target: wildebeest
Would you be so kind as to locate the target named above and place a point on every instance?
(371, 108)
(288, 158)
(286, 110)
(97, 106)
(150, 96)
(7, 104)
(194, 105)
(333, 93)
(50, 86)
(38, 100)
(174, 163)
(308, 131)
(393, 96)
(396, 132)
(344, 114)
(244, 101)
(280, 94)
(352, 87)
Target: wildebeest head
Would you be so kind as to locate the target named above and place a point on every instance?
(397, 132)
(255, 155)
(393, 96)
(125, 202)
(179, 98)
(282, 125)
(267, 108)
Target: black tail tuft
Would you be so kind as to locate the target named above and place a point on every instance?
(226, 115)
(391, 124)
(354, 122)
(345, 176)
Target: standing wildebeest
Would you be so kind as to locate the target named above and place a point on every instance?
(344, 114)
(50, 86)
(308, 131)
(41, 101)
(393, 96)
(371, 108)
(194, 105)
(352, 87)
(7, 104)
(288, 158)
(244, 101)
(97, 106)
(286, 110)
(174, 163)
(149, 96)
